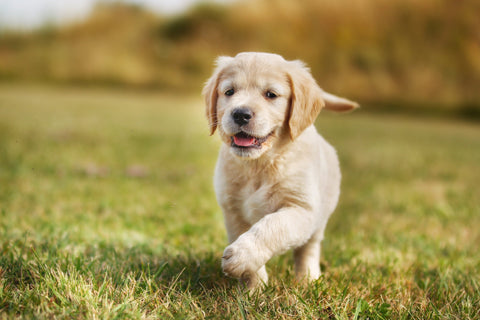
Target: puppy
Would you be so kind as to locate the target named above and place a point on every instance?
(277, 180)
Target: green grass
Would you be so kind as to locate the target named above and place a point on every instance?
(107, 211)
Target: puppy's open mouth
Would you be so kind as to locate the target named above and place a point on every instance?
(244, 140)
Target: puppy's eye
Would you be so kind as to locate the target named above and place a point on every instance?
(229, 92)
(270, 95)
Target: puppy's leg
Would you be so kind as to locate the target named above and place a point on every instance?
(235, 227)
(257, 279)
(273, 234)
(307, 259)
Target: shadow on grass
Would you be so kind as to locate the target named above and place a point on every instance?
(26, 264)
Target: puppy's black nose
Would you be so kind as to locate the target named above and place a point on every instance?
(242, 116)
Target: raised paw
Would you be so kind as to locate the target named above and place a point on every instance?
(242, 259)
(236, 262)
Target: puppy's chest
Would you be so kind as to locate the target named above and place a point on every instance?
(255, 199)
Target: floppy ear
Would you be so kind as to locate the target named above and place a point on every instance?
(210, 92)
(306, 101)
(338, 104)
(211, 95)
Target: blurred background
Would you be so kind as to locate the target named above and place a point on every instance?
(391, 55)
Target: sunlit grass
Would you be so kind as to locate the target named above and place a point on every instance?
(107, 210)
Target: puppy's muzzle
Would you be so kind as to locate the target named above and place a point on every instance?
(242, 116)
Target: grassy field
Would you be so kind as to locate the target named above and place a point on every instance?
(107, 211)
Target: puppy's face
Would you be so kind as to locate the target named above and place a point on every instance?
(259, 100)
(252, 104)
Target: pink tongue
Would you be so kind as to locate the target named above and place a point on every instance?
(243, 141)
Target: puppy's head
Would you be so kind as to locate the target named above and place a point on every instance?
(259, 100)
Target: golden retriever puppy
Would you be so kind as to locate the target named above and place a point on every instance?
(277, 180)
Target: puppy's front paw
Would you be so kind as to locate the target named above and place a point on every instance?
(240, 260)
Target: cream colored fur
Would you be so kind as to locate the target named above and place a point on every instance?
(277, 195)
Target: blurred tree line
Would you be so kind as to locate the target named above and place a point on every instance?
(426, 51)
